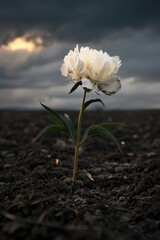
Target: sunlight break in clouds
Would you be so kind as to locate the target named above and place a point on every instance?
(21, 43)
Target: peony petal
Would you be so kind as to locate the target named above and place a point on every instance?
(86, 83)
(76, 48)
(80, 66)
(102, 71)
(110, 86)
(108, 70)
(117, 63)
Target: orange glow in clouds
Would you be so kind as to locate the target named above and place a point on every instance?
(21, 43)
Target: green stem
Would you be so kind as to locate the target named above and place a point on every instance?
(77, 145)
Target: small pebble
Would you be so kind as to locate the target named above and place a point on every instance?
(43, 150)
(110, 177)
(151, 154)
(125, 217)
(146, 170)
(135, 136)
(98, 212)
(110, 169)
(130, 154)
(118, 169)
(67, 180)
(10, 155)
(7, 165)
(96, 170)
(61, 144)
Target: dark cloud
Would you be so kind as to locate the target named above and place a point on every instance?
(85, 20)
(127, 28)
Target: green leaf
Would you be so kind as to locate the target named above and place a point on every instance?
(92, 101)
(64, 124)
(111, 125)
(52, 128)
(70, 127)
(75, 86)
(97, 130)
(56, 117)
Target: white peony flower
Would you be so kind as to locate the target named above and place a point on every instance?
(95, 69)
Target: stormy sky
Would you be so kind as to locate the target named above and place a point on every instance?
(36, 35)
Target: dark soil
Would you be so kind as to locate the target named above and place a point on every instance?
(122, 203)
